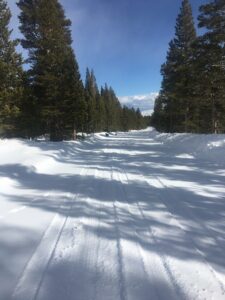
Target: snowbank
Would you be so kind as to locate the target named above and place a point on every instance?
(210, 147)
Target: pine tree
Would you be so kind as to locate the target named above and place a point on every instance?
(113, 109)
(176, 93)
(104, 111)
(74, 106)
(132, 119)
(100, 113)
(11, 76)
(160, 117)
(54, 75)
(139, 119)
(213, 18)
(210, 63)
(91, 90)
(185, 37)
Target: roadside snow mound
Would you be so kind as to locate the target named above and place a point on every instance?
(209, 147)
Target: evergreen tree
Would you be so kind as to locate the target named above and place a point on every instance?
(106, 98)
(213, 18)
(100, 113)
(74, 97)
(176, 92)
(210, 63)
(104, 111)
(11, 76)
(113, 109)
(91, 90)
(125, 119)
(133, 119)
(160, 117)
(29, 116)
(54, 76)
(139, 119)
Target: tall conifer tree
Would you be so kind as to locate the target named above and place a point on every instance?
(54, 74)
(175, 95)
(91, 90)
(210, 63)
(11, 76)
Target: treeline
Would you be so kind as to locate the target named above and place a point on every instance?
(192, 96)
(49, 97)
(104, 111)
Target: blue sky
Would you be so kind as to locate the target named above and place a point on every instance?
(124, 41)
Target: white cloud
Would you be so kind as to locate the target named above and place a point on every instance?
(144, 102)
(147, 112)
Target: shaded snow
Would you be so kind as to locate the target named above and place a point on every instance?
(209, 147)
(136, 215)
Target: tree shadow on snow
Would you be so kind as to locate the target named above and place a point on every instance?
(169, 205)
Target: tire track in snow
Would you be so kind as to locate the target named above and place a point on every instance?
(95, 284)
(121, 280)
(87, 253)
(138, 247)
(171, 264)
(158, 267)
(190, 286)
(127, 284)
(175, 265)
(120, 267)
(116, 221)
(30, 282)
(212, 270)
(107, 281)
(123, 293)
(174, 291)
(77, 267)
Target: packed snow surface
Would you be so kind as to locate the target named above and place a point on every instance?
(132, 216)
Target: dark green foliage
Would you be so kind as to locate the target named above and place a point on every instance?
(210, 61)
(100, 113)
(104, 111)
(173, 106)
(50, 98)
(132, 119)
(213, 18)
(11, 77)
(54, 75)
(113, 109)
(192, 98)
(91, 94)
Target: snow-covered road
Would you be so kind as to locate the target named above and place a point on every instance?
(133, 216)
